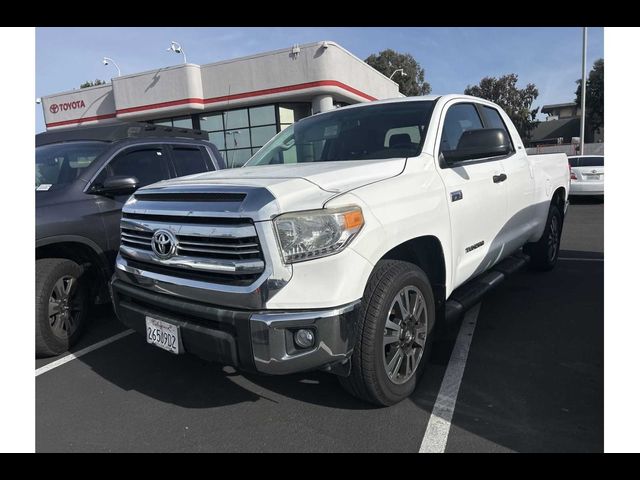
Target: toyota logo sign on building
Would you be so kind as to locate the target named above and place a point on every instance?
(76, 104)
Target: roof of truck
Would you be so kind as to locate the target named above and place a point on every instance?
(117, 131)
(419, 98)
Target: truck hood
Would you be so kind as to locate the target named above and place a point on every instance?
(291, 187)
(334, 177)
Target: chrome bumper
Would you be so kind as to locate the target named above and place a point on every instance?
(259, 341)
(274, 351)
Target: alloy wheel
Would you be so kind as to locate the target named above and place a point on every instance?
(64, 307)
(405, 334)
(554, 238)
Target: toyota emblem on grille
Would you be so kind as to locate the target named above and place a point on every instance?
(163, 244)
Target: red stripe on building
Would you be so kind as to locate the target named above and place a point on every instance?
(153, 106)
(289, 88)
(81, 120)
(225, 98)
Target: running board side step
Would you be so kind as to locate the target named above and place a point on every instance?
(467, 295)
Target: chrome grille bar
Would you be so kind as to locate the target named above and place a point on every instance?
(223, 246)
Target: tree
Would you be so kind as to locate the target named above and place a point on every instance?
(412, 82)
(89, 83)
(516, 102)
(594, 117)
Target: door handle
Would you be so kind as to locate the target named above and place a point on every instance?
(499, 178)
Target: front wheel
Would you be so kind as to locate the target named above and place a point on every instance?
(62, 302)
(393, 334)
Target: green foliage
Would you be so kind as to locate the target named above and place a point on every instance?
(410, 84)
(89, 83)
(516, 102)
(594, 100)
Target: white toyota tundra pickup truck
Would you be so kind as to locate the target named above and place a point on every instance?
(342, 242)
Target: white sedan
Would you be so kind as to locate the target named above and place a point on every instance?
(587, 174)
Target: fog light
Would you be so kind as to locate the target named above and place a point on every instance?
(304, 338)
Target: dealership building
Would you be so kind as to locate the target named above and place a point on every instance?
(241, 103)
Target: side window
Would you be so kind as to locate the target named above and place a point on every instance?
(460, 118)
(494, 120)
(189, 160)
(148, 165)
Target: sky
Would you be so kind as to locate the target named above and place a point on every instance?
(453, 57)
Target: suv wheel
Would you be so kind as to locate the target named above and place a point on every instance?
(61, 305)
(393, 334)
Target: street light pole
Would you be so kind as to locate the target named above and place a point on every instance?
(401, 70)
(106, 60)
(177, 48)
(583, 99)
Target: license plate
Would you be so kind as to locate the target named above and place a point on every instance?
(163, 335)
(593, 177)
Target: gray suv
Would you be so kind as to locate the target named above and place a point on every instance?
(83, 177)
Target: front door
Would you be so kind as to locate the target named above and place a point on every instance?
(477, 200)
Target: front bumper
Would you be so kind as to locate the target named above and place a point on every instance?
(259, 341)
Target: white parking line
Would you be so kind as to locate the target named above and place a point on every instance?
(582, 259)
(435, 437)
(84, 351)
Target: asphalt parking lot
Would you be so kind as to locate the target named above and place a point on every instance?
(531, 381)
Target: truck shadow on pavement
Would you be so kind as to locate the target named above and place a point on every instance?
(189, 382)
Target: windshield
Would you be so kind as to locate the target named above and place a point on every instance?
(62, 163)
(381, 131)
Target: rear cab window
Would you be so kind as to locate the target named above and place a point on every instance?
(493, 119)
(189, 160)
(459, 118)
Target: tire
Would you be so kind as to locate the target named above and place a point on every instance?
(368, 379)
(61, 281)
(544, 253)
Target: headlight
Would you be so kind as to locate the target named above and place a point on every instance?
(317, 233)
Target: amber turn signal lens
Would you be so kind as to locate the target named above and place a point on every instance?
(353, 219)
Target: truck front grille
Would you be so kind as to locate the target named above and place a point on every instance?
(225, 249)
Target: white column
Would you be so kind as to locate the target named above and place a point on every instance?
(321, 103)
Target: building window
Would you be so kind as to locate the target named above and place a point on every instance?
(182, 122)
(236, 118)
(211, 121)
(237, 138)
(178, 122)
(241, 132)
(262, 115)
(261, 135)
(292, 112)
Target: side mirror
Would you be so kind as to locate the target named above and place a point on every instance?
(118, 185)
(480, 143)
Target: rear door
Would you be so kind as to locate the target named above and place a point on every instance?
(190, 159)
(477, 203)
(519, 183)
(149, 164)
